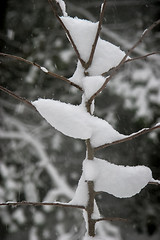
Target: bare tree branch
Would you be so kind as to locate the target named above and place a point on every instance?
(142, 57)
(67, 32)
(88, 64)
(130, 137)
(111, 219)
(156, 182)
(115, 69)
(41, 68)
(17, 97)
(24, 203)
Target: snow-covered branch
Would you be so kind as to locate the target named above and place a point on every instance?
(88, 64)
(124, 59)
(43, 69)
(130, 137)
(67, 32)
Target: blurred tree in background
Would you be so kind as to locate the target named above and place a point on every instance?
(33, 155)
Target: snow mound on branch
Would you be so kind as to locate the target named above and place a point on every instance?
(120, 181)
(92, 84)
(81, 194)
(75, 122)
(83, 33)
(69, 119)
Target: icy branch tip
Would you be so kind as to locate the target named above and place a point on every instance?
(63, 7)
(144, 31)
(157, 125)
(44, 69)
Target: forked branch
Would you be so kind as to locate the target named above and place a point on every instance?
(88, 64)
(142, 57)
(114, 70)
(130, 137)
(45, 70)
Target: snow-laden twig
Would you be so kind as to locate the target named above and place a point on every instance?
(67, 32)
(24, 203)
(142, 57)
(43, 69)
(130, 137)
(88, 64)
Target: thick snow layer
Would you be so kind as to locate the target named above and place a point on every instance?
(81, 194)
(103, 132)
(78, 75)
(120, 181)
(92, 84)
(83, 33)
(106, 55)
(69, 119)
(75, 122)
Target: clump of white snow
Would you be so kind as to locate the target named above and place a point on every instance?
(91, 85)
(75, 122)
(44, 69)
(81, 194)
(83, 33)
(106, 55)
(120, 181)
(69, 119)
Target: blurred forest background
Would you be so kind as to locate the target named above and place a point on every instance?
(38, 163)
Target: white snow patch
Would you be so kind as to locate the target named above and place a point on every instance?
(69, 119)
(83, 33)
(106, 57)
(81, 194)
(78, 75)
(157, 124)
(92, 84)
(75, 122)
(120, 181)
(44, 69)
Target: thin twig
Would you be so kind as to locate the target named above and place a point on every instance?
(24, 203)
(17, 97)
(142, 57)
(111, 219)
(43, 69)
(88, 64)
(123, 60)
(130, 137)
(155, 183)
(67, 32)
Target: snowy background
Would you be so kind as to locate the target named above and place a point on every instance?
(40, 164)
